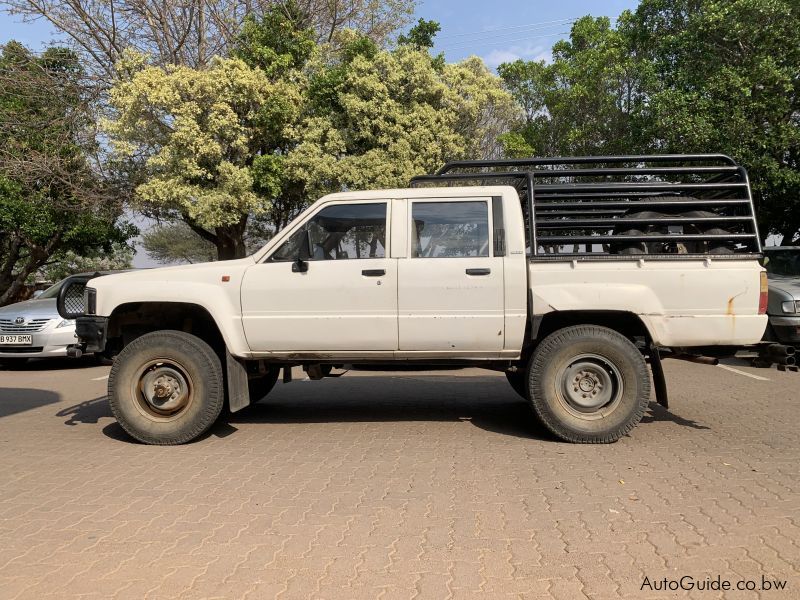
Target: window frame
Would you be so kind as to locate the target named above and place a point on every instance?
(270, 258)
(485, 200)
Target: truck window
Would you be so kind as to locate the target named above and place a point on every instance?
(449, 229)
(339, 232)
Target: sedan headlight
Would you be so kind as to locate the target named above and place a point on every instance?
(66, 323)
(790, 307)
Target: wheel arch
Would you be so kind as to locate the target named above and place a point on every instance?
(131, 320)
(627, 323)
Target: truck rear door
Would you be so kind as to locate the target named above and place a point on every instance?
(450, 284)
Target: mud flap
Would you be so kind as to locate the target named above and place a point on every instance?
(659, 380)
(238, 391)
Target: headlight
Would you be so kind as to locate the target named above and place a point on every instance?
(66, 323)
(790, 307)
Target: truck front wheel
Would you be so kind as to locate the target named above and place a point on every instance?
(166, 387)
(588, 384)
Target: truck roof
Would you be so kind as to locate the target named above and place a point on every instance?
(423, 192)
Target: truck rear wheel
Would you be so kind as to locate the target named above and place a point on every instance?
(588, 384)
(166, 388)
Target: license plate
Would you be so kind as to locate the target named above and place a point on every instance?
(15, 340)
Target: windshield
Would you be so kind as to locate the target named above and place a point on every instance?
(783, 262)
(52, 291)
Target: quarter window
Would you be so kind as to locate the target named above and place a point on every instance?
(449, 229)
(339, 232)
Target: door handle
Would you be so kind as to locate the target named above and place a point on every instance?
(373, 272)
(479, 271)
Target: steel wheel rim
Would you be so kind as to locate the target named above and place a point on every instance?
(590, 387)
(163, 389)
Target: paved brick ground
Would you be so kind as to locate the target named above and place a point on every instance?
(385, 486)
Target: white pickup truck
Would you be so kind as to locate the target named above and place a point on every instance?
(573, 281)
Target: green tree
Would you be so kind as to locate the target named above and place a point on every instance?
(584, 102)
(421, 35)
(281, 45)
(676, 76)
(378, 118)
(171, 243)
(54, 198)
(119, 256)
(725, 79)
(195, 136)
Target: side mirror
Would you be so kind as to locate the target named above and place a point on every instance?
(300, 265)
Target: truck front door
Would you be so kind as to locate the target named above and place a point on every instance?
(340, 296)
(450, 296)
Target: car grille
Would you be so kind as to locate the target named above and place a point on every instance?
(32, 326)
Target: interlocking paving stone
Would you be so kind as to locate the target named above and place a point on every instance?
(396, 485)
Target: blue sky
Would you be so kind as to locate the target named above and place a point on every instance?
(496, 32)
(503, 31)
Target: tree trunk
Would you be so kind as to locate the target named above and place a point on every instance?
(230, 240)
(12, 283)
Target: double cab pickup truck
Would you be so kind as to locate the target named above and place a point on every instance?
(573, 276)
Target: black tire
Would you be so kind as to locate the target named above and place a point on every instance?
(624, 247)
(11, 364)
(262, 385)
(519, 381)
(701, 247)
(159, 362)
(593, 359)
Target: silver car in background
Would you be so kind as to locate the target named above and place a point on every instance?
(783, 269)
(34, 329)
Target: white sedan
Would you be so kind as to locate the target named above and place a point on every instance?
(34, 329)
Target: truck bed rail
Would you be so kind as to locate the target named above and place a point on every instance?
(592, 207)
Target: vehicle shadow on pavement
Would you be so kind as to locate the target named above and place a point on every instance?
(90, 411)
(659, 413)
(58, 364)
(485, 402)
(17, 400)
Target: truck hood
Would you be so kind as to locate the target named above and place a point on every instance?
(787, 284)
(198, 271)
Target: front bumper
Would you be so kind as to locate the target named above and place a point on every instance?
(91, 332)
(51, 343)
(787, 329)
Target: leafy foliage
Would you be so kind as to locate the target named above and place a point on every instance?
(120, 256)
(176, 243)
(724, 78)
(676, 76)
(378, 118)
(196, 134)
(421, 35)
(53, 200)
(584, 102)
(251, 139)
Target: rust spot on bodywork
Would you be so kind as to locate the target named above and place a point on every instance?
(731, 312)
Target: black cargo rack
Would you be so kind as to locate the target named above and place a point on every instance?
(599, 207)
